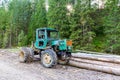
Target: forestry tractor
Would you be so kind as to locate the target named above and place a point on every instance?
(49, 47)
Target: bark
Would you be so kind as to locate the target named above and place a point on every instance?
(101, 63)
(103, 58)
(105, 69)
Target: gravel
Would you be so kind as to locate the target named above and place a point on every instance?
(11, 69)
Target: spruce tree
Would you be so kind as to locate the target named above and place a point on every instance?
(20, 18)
(38, 18)
(4, 27)
(82, 34)
(57, 17)
(112, 23)
(22, 39)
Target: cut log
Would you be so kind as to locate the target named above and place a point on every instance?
(98, 53)
(80, 60)
(97, 57)
(105, 69)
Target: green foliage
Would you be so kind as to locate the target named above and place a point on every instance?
(5, 40)
(89, 27)
(38, 19)
(22, 39)
(112, 29)
(21, 12)
(57, 17)
(82, 28)
(4, 27)
(99, 43)
(1, 40)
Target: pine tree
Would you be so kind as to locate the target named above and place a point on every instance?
(38, 19)
(20, 18)
(4, 27)
(5, 40)
(112, 23)
(22, 39)
(82, 34)
(57, 17)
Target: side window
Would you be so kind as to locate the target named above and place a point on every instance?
(41, 34)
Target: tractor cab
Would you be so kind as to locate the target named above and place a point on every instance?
(44, 37)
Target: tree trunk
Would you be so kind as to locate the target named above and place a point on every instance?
(105, 69)
(104, 58)
(94, 62)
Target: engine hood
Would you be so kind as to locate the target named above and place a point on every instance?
(63, 44)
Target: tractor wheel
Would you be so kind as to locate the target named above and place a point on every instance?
(26, 55)
(48, 58)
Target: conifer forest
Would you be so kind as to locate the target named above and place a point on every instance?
(90, 26)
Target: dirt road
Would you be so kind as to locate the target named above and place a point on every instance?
(11, 69)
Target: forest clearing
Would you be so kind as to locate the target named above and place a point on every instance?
(10, 69)
(84, 25)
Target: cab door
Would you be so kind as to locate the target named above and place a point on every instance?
(41, 39)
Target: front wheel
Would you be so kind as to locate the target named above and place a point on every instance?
(48, 58)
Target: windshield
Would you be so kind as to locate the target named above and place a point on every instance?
(52, 34)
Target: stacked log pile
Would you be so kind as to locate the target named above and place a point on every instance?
(99, 62)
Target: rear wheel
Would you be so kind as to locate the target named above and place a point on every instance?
(26, 55)
(48, 58)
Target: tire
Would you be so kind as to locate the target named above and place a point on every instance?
(26, 55)
(48, 58)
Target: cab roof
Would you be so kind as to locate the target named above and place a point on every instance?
(48, 29)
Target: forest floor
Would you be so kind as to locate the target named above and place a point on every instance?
(11, 69)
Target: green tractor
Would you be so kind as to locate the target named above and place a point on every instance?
(49, 47)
